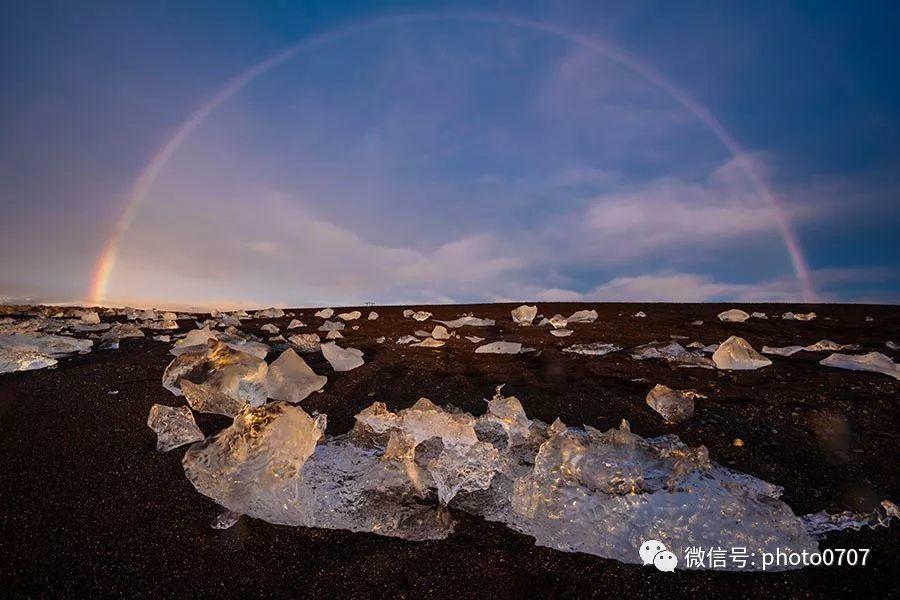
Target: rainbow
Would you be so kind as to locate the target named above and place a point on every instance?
(107, 260)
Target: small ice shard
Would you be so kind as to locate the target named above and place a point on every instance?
(892, 345)
(407, 313)
(421, 315)
(640, 314)
(226, 519)
(869, 319)
(561, 332)
(421, 333)
(217, 379)
(342, 359)
(558, 321)
(325, 313)
(90, 317)
(305, 342)
(350, 316)
(331, 326)
(673, 353)
(291, 380)
(736, 354)
(592, 349)
(372, 315)
(468, 321)
(161, 325)
(789, 316)
(270, 328)
(380, 340)
(123, 330)
(334, 334)
(733, 315)
(295, 324)
(278, 339)
(440, 333)
(174, 426)
(87, 327)
(582, 316)
(697, 323)
(782, 351)
(674, 405)
(168, 316)
(55, 346)
(406, 339)
(829, 346)
(759, 315)
(821, 523)
(429, 342)
(500, 348)
(162, 338)
(269, 313)
(12, 360)
(874, 362)
(524, 315)
(474, 339)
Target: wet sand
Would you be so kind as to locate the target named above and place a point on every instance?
(89, 507)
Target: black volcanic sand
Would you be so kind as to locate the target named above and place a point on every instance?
(88, 507)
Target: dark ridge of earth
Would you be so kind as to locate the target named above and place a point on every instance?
(89, 508)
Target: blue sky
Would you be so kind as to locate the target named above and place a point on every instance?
(450, 159)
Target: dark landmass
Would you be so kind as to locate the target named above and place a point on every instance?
(89, 508)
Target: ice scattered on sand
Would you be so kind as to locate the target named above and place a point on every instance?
(295, 324)
(217, 379)
(440, 333)
(582, 316)
(474, 339)
(269, 313)
(734, 315)
(174, 426)
(673, 405)
(576, 490)
(429, 342)
(55, 346)
(469, 321)
(524, 315)
(342, 359)
(499, 348)
(736, 354)
(372, 315)
(673, 353)
(12, 360)
(291, 380)
(592, 349)
(874, 362)
(305, 342)
(350, 316)
(789, 316)
(561, 332)
(325, 313)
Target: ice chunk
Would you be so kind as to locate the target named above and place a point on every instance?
(892, 345)
(674, 405)
(429, 342)
(640, 314)
(821, 523)
(12, 360)
(342, 359)
(440, 333)
(783, 350)
(90, 317)
(561, 332)
(592, 349)
(874, 362)
(673, 353)
(697, 323)
(372, 315)
(290, 379)
(161, 325)
(582, 316)
(50, 345)
(87, 327)
(558, 321)
(421, 315)
(305, 342)
(759, 315)
(406, 339)
(174, 426)
(325, 313)
(270, 328)
(820, 346)
(738, 355)
(500, 348)
(198, 339)
(474, 339)
(295, 324)
(123, 330)
(789, 316)
(524, 315)
(217, 379)
(226, 519)
(468, 321)
(350, 316)
(334, 334)
(734, 315)
(331, 326)
(269, 313)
